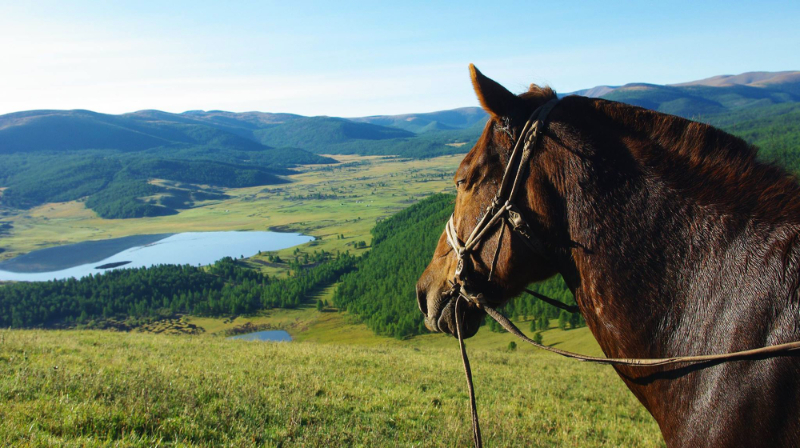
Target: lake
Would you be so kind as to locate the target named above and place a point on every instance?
(94, 257)
(269, 335)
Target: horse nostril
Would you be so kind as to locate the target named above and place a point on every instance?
(422, 300)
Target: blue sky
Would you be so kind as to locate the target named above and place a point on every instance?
(367, 58)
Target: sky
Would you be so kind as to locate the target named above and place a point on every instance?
(351, 59)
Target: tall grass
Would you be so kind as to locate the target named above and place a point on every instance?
(91, 388)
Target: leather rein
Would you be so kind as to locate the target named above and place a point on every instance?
(502, 210)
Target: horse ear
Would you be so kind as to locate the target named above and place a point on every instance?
(494, 98)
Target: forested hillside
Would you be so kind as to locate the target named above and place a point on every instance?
(132, 295)
(116, 185)
(774, 129)
(381, 292)
(56, 156)
(461, 118)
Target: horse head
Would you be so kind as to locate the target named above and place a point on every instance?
(498, 267)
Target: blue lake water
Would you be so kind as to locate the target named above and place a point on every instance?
(270, 335)
(195, 248)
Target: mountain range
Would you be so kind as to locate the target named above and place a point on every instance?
(262, 133)
(59, 155)
(715, 95)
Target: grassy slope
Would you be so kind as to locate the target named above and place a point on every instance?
(92, 388)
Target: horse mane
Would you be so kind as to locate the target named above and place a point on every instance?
(539, 94)
(700, 161)
(696, 160)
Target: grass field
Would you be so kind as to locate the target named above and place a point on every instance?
(324, 201)
(180, 382)
(90, 388)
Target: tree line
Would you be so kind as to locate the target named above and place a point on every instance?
(225, 288)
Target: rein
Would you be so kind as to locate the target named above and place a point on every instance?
(506, 213)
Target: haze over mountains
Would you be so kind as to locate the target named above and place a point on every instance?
(62, 155)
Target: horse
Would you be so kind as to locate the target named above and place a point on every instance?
(674, 240)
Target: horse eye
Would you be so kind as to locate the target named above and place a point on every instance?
(459, 182)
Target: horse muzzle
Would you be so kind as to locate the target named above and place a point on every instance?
(439, 309)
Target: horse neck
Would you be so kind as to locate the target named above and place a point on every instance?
(638, 250)
(621, 266)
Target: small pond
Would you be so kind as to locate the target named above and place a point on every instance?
(269, 335)
(94, 257)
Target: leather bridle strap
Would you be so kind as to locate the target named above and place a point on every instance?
(568, 308)
(476, 425)
(772, 350)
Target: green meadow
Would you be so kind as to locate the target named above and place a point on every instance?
(94, 388)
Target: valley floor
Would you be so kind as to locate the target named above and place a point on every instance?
(338, 204)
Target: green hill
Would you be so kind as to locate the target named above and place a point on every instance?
(774, 129)
(316, 133)
(55, 156)
(71, 130)
(116, 184)
(462, 118)
(57, 131)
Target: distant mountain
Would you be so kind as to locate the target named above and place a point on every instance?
(319, 133)
(218, 134)
(47, 130)
(110, 160)
(162, 132)
(715, 95)
(752, 79)
(462, 118)
(56, 156)
(594, 92)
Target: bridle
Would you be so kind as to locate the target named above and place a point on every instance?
(502, 210)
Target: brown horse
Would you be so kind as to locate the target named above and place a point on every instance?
(674, 239)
